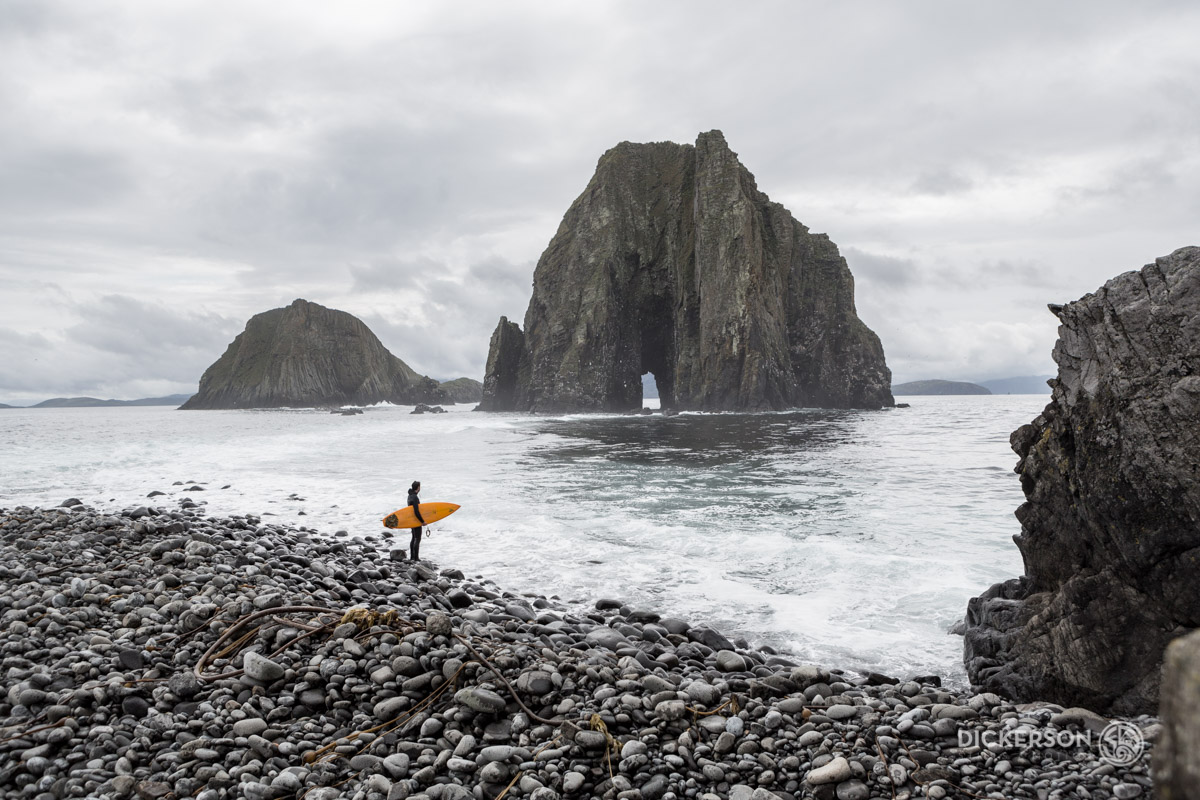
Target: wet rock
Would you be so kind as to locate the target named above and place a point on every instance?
(729, 661)
(709, 638)
(606, 638)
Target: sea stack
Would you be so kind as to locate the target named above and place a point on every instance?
(1110, 530)
(673, 262)
(307, 355)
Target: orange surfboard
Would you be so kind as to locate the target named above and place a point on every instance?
(430, 512)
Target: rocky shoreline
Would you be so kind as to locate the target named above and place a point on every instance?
(159, 653)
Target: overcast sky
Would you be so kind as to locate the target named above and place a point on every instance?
(167, 170)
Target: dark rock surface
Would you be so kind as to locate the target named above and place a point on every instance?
(421, 408)
(308, 355)
(672, 262)
(1110, 530)
(1177, 755)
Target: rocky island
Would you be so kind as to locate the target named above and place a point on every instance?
(938, 387)
(1110, 530)
(673, 263)
(307, 355)
(463, 390)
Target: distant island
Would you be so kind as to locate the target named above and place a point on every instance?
(460, 390)
(95, 402)
(1025, 384)
(939, 387)
(91, 402)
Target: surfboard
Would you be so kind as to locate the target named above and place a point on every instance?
(430, 512)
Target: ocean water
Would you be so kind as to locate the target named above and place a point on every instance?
(847, 538)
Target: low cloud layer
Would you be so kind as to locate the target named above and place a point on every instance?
(169, 170)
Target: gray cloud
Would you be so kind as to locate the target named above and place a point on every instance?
(60, 180)
(206, 162)
(880, 269)
(118, 344)
(126, 326)
(959, 277)
(444, 327)
(941, 182)
(392, 274)
(22, 18)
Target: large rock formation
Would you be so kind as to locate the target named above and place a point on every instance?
(1110, 530)
(309, 355)
(672, 262)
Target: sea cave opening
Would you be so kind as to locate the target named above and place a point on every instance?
(649, 390)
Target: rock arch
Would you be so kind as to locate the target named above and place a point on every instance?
(672, 262)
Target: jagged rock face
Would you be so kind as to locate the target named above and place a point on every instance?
(1110, 530)
(309, 355)
(506, 375)
(672, 262)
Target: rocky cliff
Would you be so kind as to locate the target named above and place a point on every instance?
(673, 262)
(1110, 530)
(309, 355)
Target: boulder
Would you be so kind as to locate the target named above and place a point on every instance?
(422, 408)
(261, 668)
(1110, 530)
(672, 262)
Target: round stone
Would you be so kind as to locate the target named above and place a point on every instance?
(483, 701)
(438, 624)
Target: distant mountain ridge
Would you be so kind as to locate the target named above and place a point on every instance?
(95, 402)
(938, 387)
(92, 402)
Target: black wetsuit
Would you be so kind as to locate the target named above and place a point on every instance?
(414, 546)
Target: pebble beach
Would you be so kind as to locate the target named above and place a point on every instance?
(162, 653)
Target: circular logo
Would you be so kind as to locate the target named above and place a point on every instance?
(1121, 744)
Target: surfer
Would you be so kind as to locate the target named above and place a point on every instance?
(414, 546)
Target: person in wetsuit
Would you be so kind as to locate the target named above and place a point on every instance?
(414, 546)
